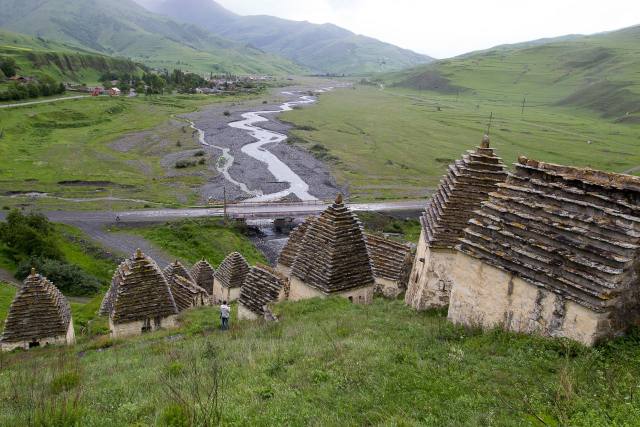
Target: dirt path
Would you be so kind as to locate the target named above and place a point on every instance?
(46, 101)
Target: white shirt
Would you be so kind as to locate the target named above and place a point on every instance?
(225, 311)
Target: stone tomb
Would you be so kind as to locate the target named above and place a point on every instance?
(332, 259)
(39, 315)
(202, 272)
(555, 251)
(466, 185)
(229, 278)
(262, 286)
(391, 262)
(185, 292)
(290, 250)
(139, 299)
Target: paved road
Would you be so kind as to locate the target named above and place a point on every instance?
(46, 101)
(94, 224)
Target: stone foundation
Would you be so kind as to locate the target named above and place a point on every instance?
(300, 291)
(430, 281)
(489, 297)
(68, 339)
(121, 330)
(221, 293)
(245, 314)
(387, 288)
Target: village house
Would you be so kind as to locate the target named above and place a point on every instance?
(555, 251)
(290, 249)
(391, 262)
(262, 286)
(466, 185)
(229, 277)
(38, 316)
(139, 299)
(332, 259)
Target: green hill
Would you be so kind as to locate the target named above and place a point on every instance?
(599, 72)
(123, 28)
(321, 48)
(37, 56)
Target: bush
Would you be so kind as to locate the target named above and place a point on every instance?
(227, 113)
(8, 66)
(182, 164)
(30, 235)
(200, 153)
(69, 278)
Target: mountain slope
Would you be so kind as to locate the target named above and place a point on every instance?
(37, 56)
(321, 48)
(599, 72)
(123, 27)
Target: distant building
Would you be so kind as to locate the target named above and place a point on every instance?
(139, 299)
(114, 91)
(466, 185)
(229, 277)
(38, 316)
(262, 287)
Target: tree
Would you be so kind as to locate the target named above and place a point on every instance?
(8, 66)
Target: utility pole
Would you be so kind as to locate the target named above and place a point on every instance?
(224, 203)
(489, 126)
(524, 101)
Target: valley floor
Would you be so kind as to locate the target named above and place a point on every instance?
(325, 363)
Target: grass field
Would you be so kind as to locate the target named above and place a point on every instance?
(71, 143)
(398, 142)
(192, 239)
(326, 363)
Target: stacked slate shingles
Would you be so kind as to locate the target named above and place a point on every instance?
(139, 291)
(575, 232)
(467, 184)
(233, 271)
(185, 292)
(290, 250)
(389, 259)
(38, 311)
(202, 273)
(332, 256)
(261, 287)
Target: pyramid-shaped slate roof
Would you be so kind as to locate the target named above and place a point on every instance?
(38, 311)
(106, 307)
(288, 253)
(333, 254)
(185, 292)
(261, 287)
(139, 291)
(177, 269)
(202, 272)
(467, 184)
(390, 260)
(575, 232)
(233, 271)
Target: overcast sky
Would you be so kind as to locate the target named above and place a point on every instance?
(445, 28)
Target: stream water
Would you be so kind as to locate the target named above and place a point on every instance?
(279, 170)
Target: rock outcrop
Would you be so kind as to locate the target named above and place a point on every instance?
(39, 315)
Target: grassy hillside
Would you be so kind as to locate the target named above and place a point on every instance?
(326, 363)
(37, 56)
(121, 27)
(190, 240)
(397, 143)
(319, 48)
(599, 72)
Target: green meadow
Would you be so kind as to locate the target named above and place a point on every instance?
(325, 363)
(394, 142)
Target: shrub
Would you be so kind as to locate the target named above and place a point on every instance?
(70, 279)
(227, 113)
(30, 235)
(182, 164)
(200, 153)
(175, 416)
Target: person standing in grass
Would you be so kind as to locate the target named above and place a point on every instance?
(225, 313)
